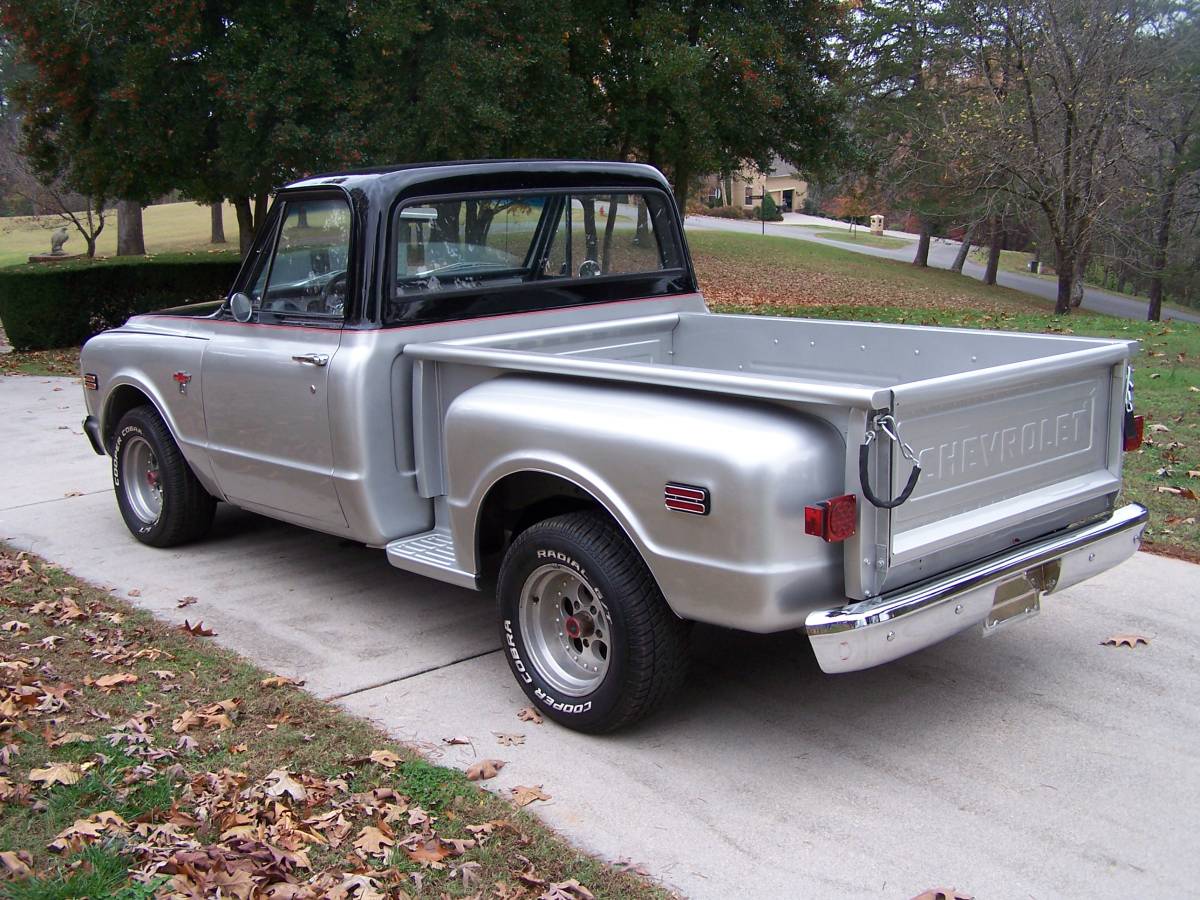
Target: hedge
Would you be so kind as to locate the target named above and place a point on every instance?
(63, 304)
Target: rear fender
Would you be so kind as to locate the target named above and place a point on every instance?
(746, 564)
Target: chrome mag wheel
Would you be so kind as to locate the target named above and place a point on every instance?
(566, 629)
(141, 480)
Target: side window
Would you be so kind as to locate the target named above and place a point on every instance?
(307, 277)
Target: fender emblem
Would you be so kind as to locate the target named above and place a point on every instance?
(686, 498)
(182, 379)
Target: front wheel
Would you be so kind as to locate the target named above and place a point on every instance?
(587, 632)
(161, 501)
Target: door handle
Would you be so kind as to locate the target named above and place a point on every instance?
(313, 359)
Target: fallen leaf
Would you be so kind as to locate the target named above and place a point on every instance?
(455, 741)
(56, 773)
(505, 739)
(1126, 640)
(186, 601)
(135, 592)
(198, 629)
(943, 894)
(73, 494)
(373, 841)
(14, 865)
(529, 714)
(485, 769)
(239, 748)
(282, 784)
(385, 758)
(115, 680)
(523, 795)
(280, 681)
(567, 890)
(430, 852)
(1158, 426)
(71, 737)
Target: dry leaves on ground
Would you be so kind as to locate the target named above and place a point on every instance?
(198, 630)
(485, 769)
(942, 894)
(504, 739)
(523, 795)
(529, 714)
(1125, 640)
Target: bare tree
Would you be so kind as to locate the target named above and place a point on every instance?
(87, 215)
(1049, 121)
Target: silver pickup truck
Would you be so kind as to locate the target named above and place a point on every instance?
(502, 375)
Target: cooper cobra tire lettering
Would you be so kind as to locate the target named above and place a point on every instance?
(646, 643)
(517, 663)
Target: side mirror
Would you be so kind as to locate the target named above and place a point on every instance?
(241, 307)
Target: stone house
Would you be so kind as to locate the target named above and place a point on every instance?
(786, 188)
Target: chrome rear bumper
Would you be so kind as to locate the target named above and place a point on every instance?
(884, 628)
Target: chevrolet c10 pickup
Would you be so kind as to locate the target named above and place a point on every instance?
(503, 375)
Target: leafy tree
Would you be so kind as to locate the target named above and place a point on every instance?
(696, 88)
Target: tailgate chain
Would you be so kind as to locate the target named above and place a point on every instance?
(886, 423)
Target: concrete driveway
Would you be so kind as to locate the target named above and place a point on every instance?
(941, 256)
(1036, 763)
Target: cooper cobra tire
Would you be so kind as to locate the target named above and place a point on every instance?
(161, 501)
(624, 654)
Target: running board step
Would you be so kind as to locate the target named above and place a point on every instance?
(430, 554)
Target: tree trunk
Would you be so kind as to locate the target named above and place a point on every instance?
(218, 224)
(241, 206)
(1162, 241)
(608, 234)
(1121, 276)
(921, 260)
(994, 248)
(260, 209)
(1066, 279)
(591, 241)
(130, 241)
(643, 229)
(964, 248)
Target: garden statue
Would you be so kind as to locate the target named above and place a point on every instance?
(57, 240)
(877, 225)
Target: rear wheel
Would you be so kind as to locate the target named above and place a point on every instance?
(587, 632)
(161, 501)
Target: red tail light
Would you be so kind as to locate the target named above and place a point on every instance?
(1133, 436)
(832, 520)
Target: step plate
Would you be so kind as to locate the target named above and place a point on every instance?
(432, 554)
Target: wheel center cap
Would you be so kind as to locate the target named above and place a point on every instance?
(579, 626)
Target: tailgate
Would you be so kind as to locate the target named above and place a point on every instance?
(1007, 454)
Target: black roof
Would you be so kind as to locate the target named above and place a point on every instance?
(467, 176)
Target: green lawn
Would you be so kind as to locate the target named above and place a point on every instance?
(861, 236)
(168, 226)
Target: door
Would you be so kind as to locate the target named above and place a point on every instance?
(266, 380)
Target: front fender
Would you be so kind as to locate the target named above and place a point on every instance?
(125, 361)
(747, 564)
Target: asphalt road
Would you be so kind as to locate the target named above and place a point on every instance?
(941, 255)
(1036, 763)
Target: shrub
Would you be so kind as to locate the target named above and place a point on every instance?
(63, 304)
(769, 211)
(730, 212)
